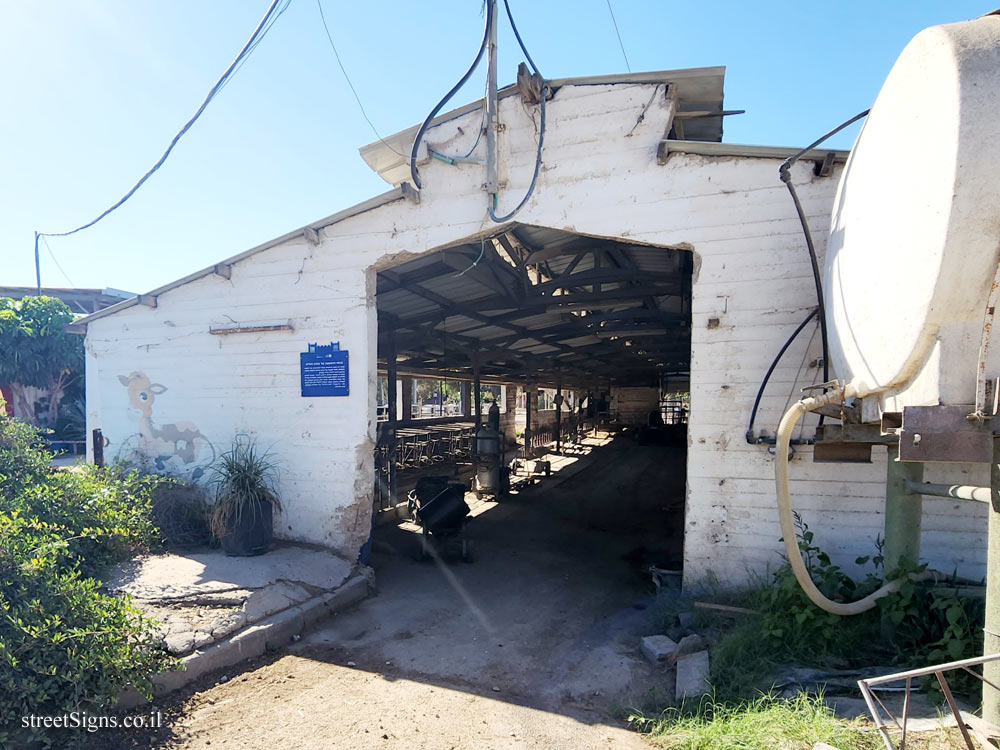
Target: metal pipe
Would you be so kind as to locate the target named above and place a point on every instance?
(991, 634)
(927, 671)
(492, 183)
(956, 491)
(984, 350)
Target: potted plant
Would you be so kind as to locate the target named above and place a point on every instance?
(244, 481)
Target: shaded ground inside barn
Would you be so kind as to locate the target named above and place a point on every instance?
(535, 644)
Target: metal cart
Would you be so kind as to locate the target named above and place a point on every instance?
(438, 506)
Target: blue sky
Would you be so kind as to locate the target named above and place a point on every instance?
(93, 90)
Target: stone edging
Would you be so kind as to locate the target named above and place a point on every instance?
(267, 634)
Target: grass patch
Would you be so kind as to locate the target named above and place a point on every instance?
(766, 723)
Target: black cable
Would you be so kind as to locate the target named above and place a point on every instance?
(784, 172)
(619, 35)
(538, 165)
(751, 437)
(414, 174)
(517, 35)
(247, 48)
(253, 47)
(53, 256)
(786, 165)
(347, 78)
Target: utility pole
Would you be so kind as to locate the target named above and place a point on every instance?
(492, 186)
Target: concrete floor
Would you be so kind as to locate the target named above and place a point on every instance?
(550, 613)
(535, 644)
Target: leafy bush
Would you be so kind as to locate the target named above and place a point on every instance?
(798, 628)
(23, 460)
(64, 645)
(920, 624)
(104, 513)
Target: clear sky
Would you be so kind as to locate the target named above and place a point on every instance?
(93, 90)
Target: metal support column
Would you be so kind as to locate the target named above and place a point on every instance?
(529, 395)
(991, 637)
(559, 400)
(902, 511)
(407, 410)
(390, 435)
(477, 391)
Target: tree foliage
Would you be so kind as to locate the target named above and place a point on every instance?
(36, 350)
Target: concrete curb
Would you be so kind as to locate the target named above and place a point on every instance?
(268, 634)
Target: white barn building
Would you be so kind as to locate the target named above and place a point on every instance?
(675, 252)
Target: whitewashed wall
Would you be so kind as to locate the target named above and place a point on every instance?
(249, 383)
(600, 177)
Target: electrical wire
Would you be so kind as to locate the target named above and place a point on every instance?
(751, 435)
(517, 35)
(414, 173)
(253, 47)
(784, 172)
(619, 35)
(354, 91)
(53, 256)
(258, 34)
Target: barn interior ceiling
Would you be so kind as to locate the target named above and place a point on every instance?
(537, 304)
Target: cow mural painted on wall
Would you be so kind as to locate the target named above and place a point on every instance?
(178, 449)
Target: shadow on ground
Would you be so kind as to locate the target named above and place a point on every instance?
(535, 643)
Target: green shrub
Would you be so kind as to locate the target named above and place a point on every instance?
(64, 645)
(104, 512)
(764, 723)
(918, 625)
(24, 462)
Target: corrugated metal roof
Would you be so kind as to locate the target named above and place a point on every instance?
(487, 322)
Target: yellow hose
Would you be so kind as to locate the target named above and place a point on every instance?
(784, 436)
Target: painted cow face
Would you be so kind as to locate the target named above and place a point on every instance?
(141, 393)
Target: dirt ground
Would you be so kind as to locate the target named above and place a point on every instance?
(534, 644)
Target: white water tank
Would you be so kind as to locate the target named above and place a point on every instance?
(915, 233)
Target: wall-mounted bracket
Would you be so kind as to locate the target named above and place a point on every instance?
(311, 235)
(663, 147)
(945, 434)
(149, 300)
(225, 270)
(410, 193)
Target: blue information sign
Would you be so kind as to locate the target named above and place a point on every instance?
(324, 371)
